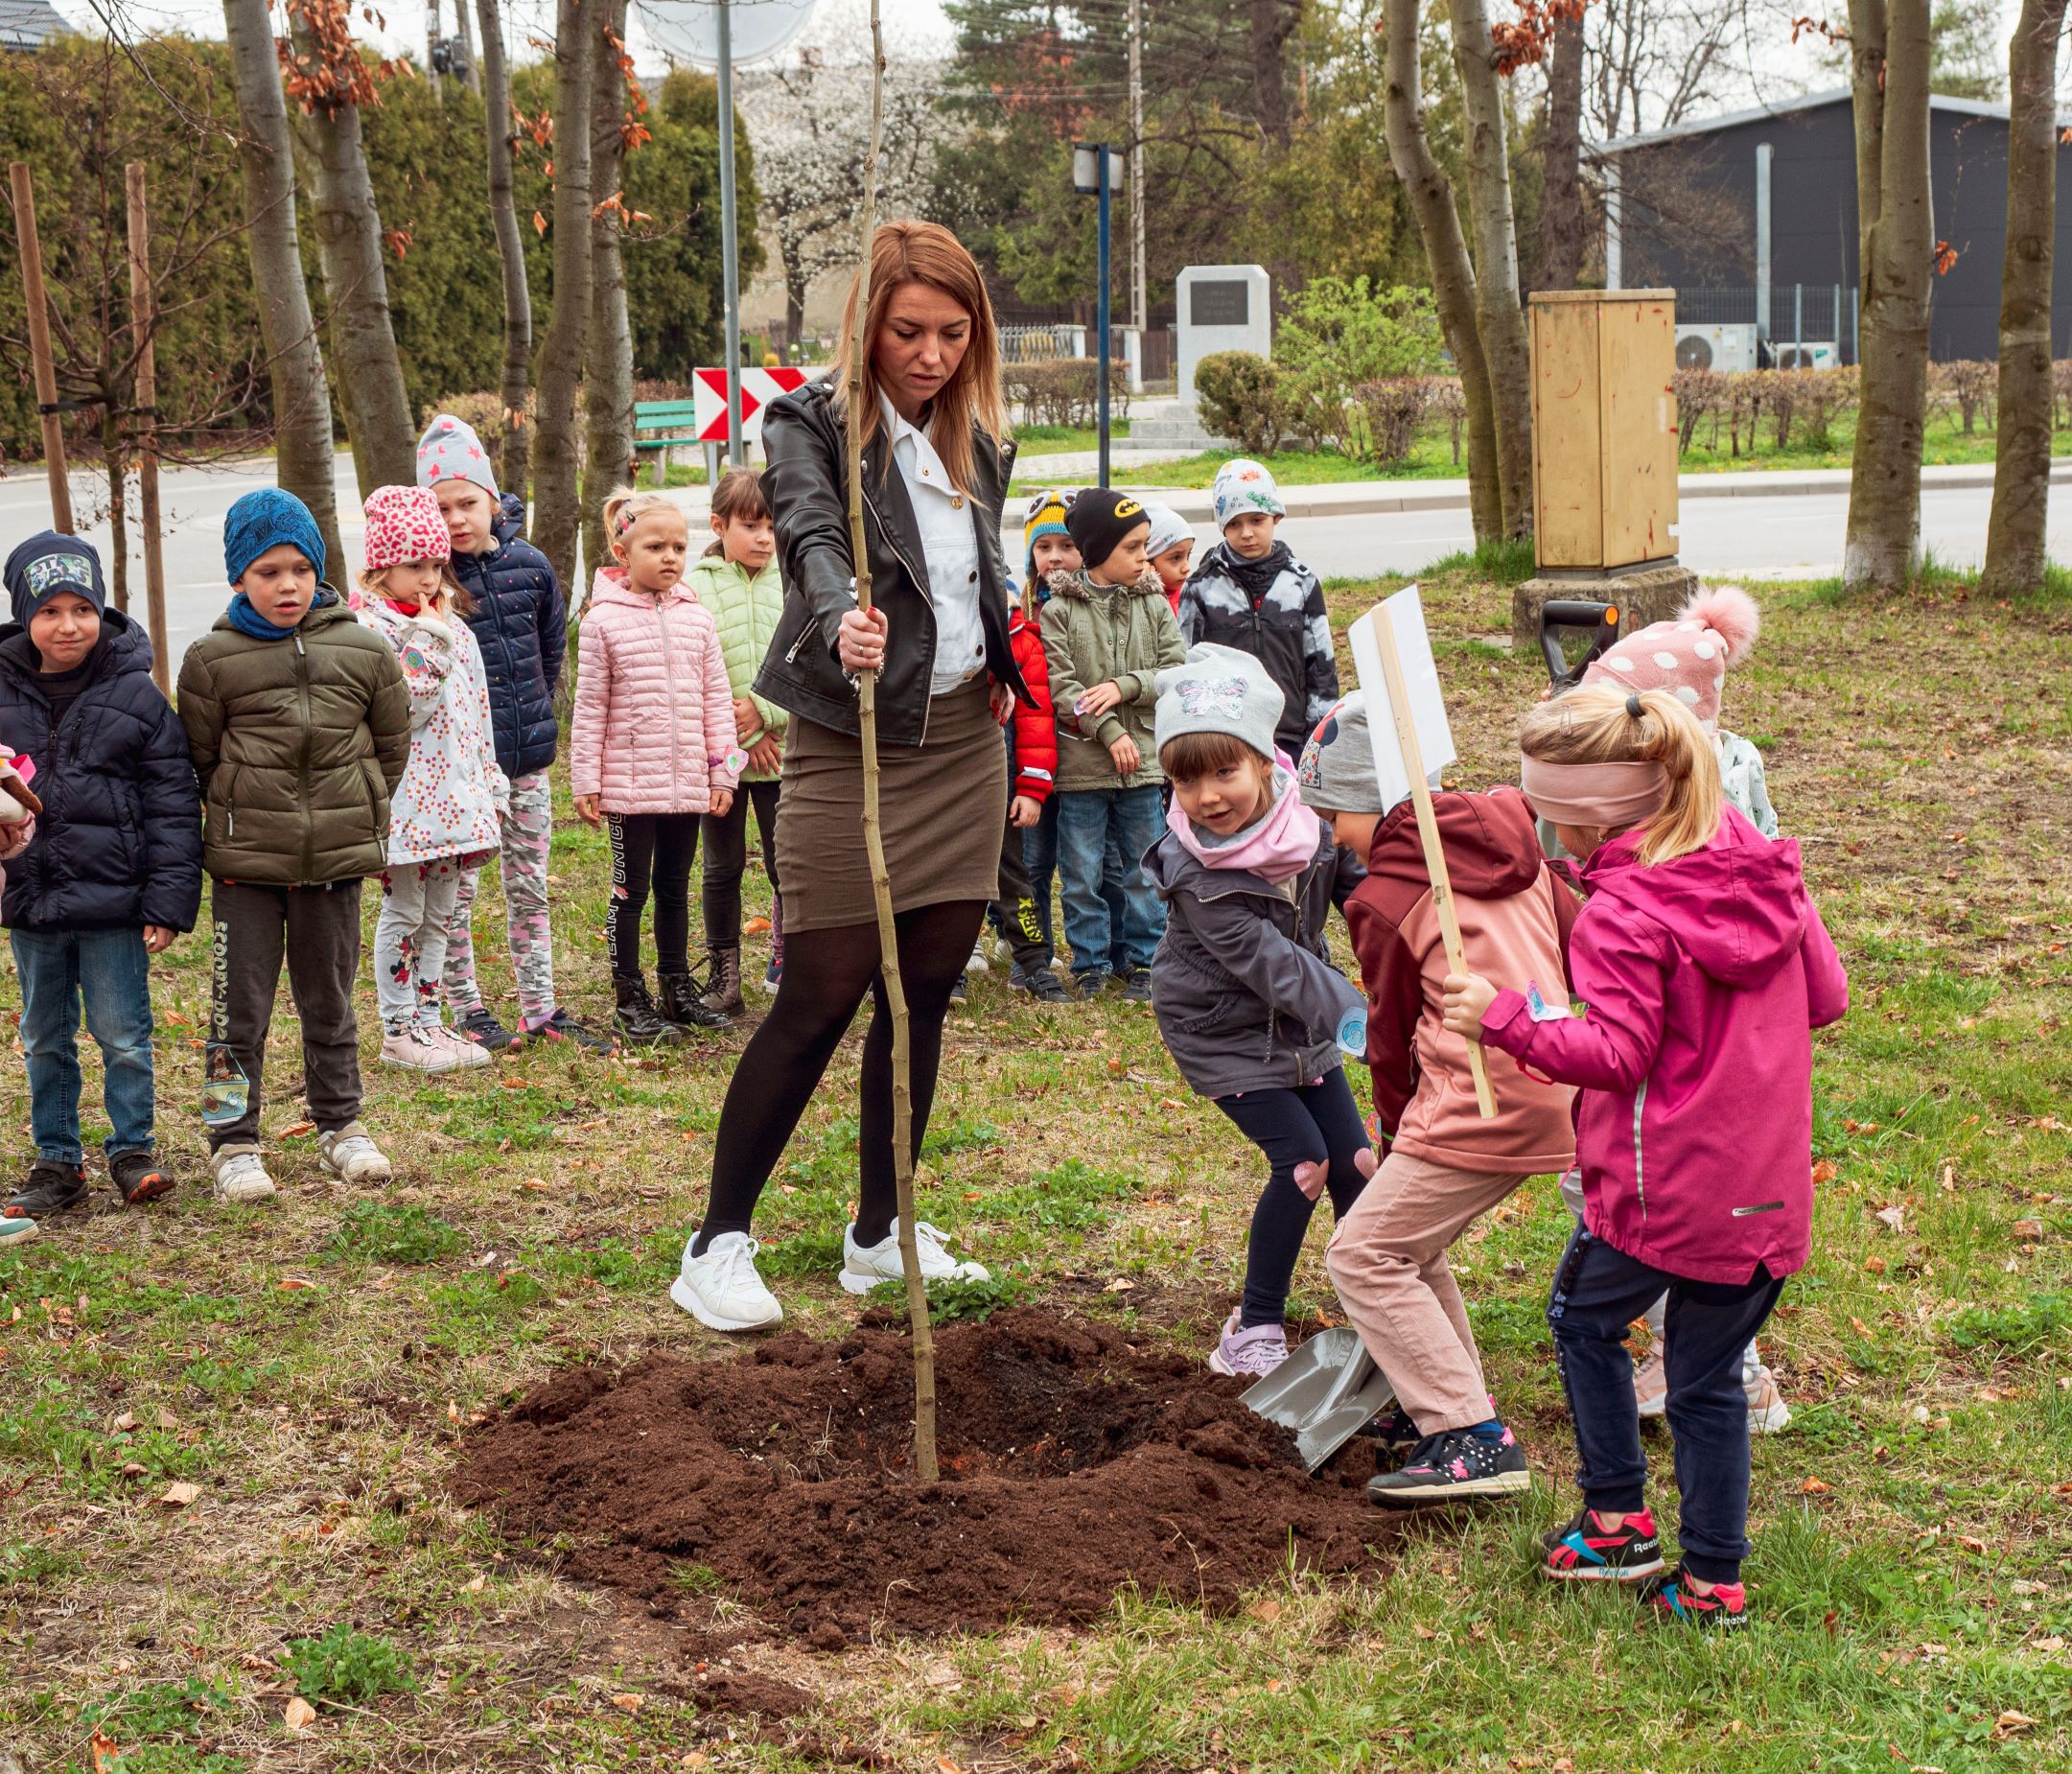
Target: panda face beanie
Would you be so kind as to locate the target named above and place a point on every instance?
(451, 450)
(1687, 655)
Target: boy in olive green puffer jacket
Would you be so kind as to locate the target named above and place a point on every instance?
(299, 722)
(738, 583)
(1107, 632)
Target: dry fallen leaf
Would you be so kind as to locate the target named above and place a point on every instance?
(298, 1713)
(105, 1754)
(1824, 1173)
(627, 1702)
(1267, 1610)
(300, 1128)
(1875, 1265)
(180, 1494)
(1972, 1543)
(944, 1765)
(1814, 1487)
(2028, 1229)
(2012, 1724)
(1894, 1216)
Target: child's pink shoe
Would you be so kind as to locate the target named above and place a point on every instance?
(1248, 1354)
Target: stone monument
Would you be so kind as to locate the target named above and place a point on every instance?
(1221, 308)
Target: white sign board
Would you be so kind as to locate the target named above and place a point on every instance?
(1404, 614)
(1221, 308)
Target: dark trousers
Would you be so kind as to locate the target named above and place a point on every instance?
(1599, 1291)
(726, 860)
(1305, 1126)
(655, 848)
(1023, 926)
(1040, 862)
(317, 931)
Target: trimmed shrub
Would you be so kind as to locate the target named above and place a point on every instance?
(1391, 408)
(1062, 391)
(1243, 396)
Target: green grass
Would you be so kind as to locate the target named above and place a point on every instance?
(1062, 439)
(311, 1365)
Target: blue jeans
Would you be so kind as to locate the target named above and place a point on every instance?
(1101, 832)
(1039, 858)
(109, 971)
(1599, 1291)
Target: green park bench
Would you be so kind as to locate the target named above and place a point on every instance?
(677, 422)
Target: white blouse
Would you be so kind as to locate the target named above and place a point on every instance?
(947, 521)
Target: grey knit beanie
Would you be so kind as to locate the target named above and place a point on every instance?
(1336, 773)
(451, 450)
(1218, 689)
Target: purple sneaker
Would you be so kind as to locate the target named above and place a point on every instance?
(1248, 1354)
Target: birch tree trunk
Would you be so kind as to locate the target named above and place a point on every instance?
(303, 457)
(556, 511)
(1500, 313)
(1446, 253)
(2016, 553)
(514, 448)
(608, 377)
(1890, 51)
(348, 231)
(1561, 204)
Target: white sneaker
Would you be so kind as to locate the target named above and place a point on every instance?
(467, 1054)
(240, 1173)
(722, 1290)
(865, 1266)
(980, 962)
(352, 1157)
(1767, 1411)
(414, 1049)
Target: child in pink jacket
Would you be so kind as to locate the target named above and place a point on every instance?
(1701, 965)
(653, 749)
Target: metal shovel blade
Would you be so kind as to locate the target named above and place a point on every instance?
(1326, 1392)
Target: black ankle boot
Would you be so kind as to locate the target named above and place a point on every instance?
(681, 1005)
(639, 1021)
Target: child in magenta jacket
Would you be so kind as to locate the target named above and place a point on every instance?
(653, 748)
(1701, 965)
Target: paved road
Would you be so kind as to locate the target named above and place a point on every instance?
(1787, 537)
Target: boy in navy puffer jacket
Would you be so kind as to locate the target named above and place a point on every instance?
(114, 873)
(521, 625)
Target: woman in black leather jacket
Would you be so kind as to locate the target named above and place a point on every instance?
(935, 471)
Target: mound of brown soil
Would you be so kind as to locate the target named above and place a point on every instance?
(1075, 1464)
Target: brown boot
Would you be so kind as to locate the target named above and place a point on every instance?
(724, 994)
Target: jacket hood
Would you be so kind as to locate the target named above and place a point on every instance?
(1738, 907)
(611, 586)
(1491, 848)
(124, 647)
(510, 519)
(1079, 585)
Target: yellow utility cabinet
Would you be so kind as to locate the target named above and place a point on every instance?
(1603, 428)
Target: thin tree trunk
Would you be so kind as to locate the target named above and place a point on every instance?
(303, 456)
(348, 230)
(1561, 149)
(114, 456)
(514, 467)
(1882, 541)
(873, 843)
(1499, 314)
(1446, 253)
(793, 305)
(1273, 22)
(608, 382)
(467, 47)
(2016, 554)
(556, 510)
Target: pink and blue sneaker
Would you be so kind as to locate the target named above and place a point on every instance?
(1455, 1465)
(1588, 1551)
(1722, 1608)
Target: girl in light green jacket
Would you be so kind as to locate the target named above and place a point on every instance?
(737, 582)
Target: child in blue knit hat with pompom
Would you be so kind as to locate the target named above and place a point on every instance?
(300, 726)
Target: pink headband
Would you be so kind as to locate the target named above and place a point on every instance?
(1606, 795)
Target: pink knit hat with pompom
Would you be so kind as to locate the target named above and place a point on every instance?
(403, 524)
(1688, 654)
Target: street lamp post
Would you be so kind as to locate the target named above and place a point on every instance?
(1096, 172)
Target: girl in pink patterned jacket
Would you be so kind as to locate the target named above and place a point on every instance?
(653, 748)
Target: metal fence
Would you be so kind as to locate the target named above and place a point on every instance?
(1802, 318)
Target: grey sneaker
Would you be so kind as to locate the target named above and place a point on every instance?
(350, 1154)
(240, 1173)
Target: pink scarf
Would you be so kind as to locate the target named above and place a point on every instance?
(1276, 847)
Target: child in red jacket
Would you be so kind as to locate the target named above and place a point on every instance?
(1444, 1165)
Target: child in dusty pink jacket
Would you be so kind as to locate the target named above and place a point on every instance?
(1702, 966)
(1445, 1164)
(653, 749)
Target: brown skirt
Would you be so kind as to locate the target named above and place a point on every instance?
(941, 807)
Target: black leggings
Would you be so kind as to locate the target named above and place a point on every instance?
(827, 975)
(644, 846)
(1305, 1126)
(725, 857)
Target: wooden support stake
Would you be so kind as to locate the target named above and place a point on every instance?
(1428, 829)
(39, 346)
(142, 321)
(874, 842)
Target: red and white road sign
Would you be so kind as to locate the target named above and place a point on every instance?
(759, 387)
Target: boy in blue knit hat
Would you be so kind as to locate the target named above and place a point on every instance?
(300, 727)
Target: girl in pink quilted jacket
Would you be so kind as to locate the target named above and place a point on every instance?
(653, 749)
(1701, 967)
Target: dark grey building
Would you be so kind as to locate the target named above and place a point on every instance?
(1764, 200)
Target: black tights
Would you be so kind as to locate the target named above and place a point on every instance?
(656, 847)
(826, 974)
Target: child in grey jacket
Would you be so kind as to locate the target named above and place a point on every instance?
(1254, 1013)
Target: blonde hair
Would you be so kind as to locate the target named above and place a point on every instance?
(1603, 724)
(624, 507)
(904, 252)
(456, 594)
(738, 495)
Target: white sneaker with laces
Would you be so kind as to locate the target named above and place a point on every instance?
(351, 1154)
(721, 1289)
(240, 1173)
(865, 1266)
(980, 962)
(467, 1054)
